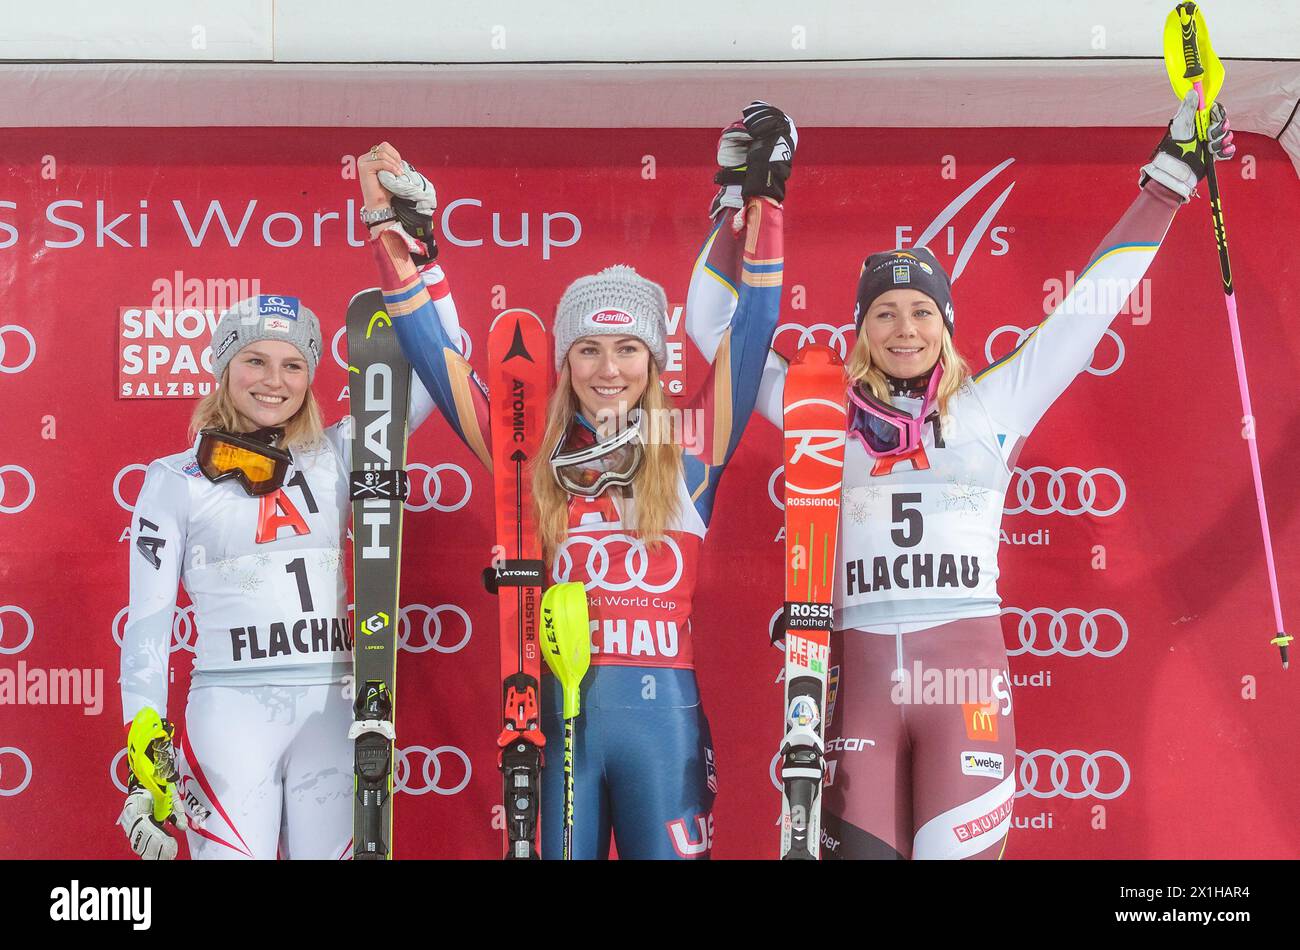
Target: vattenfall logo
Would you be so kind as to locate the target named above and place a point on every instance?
(940, 228)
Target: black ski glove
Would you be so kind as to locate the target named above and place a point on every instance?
(769, 138)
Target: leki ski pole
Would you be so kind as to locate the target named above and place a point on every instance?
(566, 648)
(1192, 64)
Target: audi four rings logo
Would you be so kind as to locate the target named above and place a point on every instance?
(184, 632)
(837, 338)
(1073, 774)
(1061, 636)
(14, 329)
(28, 496)
(604, 551)
(31, 629)
(433, 495)
(433, 638)
(1069, 491)
(429, 778)
(774, 770)
(1022, 332)
(15, 771)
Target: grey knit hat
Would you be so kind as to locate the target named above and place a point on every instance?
(617, 301)
(266, 317)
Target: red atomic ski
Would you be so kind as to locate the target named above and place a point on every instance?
(518, 378)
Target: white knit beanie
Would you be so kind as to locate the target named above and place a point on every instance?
(616, 301)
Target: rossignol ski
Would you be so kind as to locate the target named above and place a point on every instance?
(379, 385)
(518, 378)
(814, 419)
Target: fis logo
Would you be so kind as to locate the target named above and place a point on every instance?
(940, 233)
(801, 651)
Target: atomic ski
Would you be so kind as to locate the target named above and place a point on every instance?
(379, 384)
(814, 422)
(518, 377)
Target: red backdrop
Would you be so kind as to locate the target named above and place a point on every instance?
(1156, 666)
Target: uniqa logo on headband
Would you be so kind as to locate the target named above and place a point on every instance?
(286, 307)
(612, 318)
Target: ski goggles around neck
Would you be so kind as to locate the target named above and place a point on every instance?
(884, 430)
(587, 470)
(250, 458)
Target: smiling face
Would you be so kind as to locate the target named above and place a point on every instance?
(904, 332)
(608, 375)
(268, 381)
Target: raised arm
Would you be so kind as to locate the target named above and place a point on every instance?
(418, 298)
(1018, 388)
(733, 303)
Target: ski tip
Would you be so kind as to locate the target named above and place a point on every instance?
(816, 354)
(515, 310)
(361, 293)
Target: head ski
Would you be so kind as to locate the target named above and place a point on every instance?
(815, 418)
(518, 377)
(379, 383)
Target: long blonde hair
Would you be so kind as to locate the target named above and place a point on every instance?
(956, 371)
(655, 486)
(303, 430)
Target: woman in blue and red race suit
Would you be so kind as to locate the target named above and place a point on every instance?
(930, 453)
(644, 761)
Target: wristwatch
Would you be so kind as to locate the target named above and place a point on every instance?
(371, 218)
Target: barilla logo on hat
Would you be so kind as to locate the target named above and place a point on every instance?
(225, 344)
(276, 325)
(286, 307)
(612, 318)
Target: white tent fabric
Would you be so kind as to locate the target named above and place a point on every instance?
(944, 63)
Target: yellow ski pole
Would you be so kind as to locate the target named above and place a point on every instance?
(566, 647)
(1191, 63)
